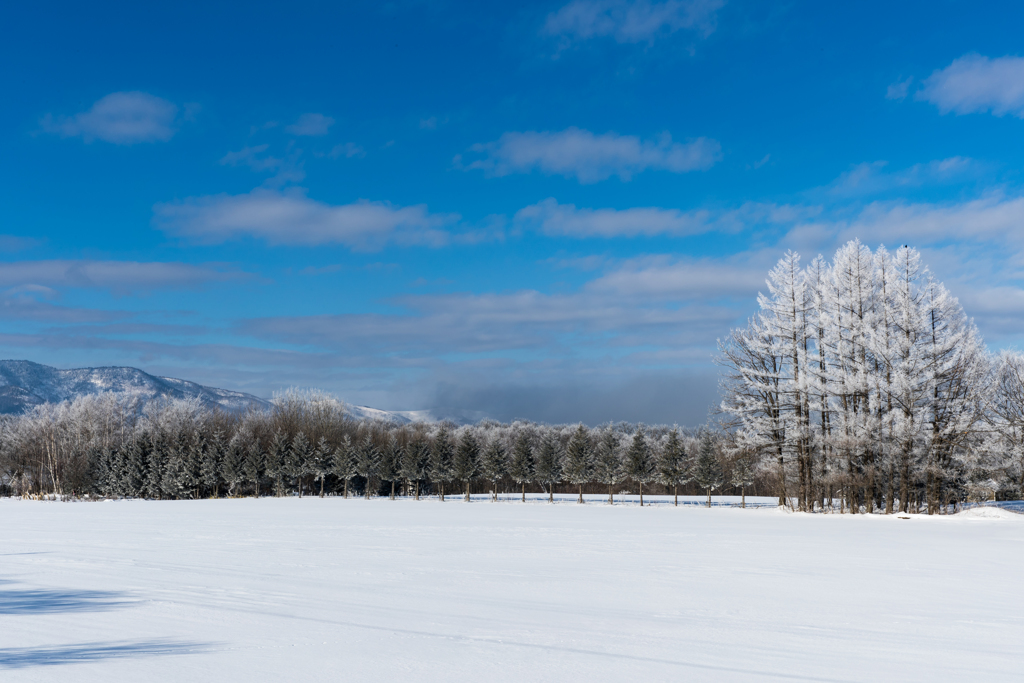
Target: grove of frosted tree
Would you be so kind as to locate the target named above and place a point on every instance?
(860, 385)
(865, 385)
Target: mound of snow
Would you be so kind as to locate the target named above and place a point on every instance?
(989, 513)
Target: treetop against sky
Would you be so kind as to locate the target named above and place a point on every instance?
(546, 210)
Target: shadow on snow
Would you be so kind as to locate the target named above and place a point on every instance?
(23, 657)
(31, 601)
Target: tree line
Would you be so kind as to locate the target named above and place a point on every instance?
(113, 446)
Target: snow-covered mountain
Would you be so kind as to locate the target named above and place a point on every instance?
(24, 384)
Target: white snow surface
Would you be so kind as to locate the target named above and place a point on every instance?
(334, 589)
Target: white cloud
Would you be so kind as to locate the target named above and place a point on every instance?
(631, 22)
(872, 177)
(974, 83)
(291, 217)
(118, 276)
(994, 216)
(661, 277)
(347, 150)
(898, 90)
(566, 220)
(251, 157)
(311, 124)
(592, 158)
(123, 118)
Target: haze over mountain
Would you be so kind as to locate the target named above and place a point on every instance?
(24, 384)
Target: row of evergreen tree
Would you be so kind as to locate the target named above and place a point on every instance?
(405, 462)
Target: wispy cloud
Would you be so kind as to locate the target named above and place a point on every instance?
(253, 158)
(898, 90)
(290, 217)
(868, 178)
(566, 220)
(34, 303)
(590, 158)
(118, 276)
(123, 118)
(285, 170)
(631, 22)
(974, 83)
(311, 124)
(347, 150)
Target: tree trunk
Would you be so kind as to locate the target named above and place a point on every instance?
(346, 487)
(743, 497)
(392, 489)
(782, 482)
(581, 494)
(611, 498)
(417, 489)
(641, 494)
(524, 491)
(322, 478)
(709, 497)
(677, 495)
(467, 491)
(551, 493)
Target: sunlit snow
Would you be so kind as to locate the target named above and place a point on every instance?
(335, 589)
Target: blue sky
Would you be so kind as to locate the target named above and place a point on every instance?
(545, 210)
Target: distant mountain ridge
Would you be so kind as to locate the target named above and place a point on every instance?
(24, 384)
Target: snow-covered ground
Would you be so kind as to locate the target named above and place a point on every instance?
(332, 589)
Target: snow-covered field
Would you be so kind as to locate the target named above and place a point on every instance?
(332, 589)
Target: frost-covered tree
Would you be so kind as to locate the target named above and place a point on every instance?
(442, 453)
(860, 377)
(673, 469)
(343, 462)
(297, 460)
(608, 464)
(742, 475)
(415, 462)
(707, 471)
(253, 466)
(277, 462)
(210, 464)
(391, 461)
(367, 461)
(467, 456)
(155, 467)
(521, 465)
(579, 459)
(320, 462)
(547, 470)
(494, 465)
(639, 462)
(231, 466)
(178, 480)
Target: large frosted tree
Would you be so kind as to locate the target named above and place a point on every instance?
(860, 378)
